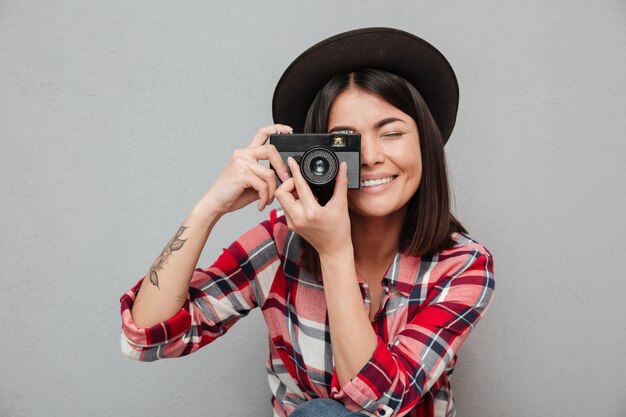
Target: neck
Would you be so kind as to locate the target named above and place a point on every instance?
(376, 240)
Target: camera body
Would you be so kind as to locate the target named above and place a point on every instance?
(319, 156)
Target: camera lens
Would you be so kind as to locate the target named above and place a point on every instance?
(319, 166)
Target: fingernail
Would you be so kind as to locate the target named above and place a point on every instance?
(290, 161)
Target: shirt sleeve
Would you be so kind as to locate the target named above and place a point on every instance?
(397, 375)
(218, 297)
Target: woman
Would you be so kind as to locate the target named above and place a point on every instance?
(367, 298)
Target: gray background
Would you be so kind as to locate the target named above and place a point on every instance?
(115, 117)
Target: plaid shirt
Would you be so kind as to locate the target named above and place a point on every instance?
(429, 306)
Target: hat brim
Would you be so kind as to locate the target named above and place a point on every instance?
(388, 49)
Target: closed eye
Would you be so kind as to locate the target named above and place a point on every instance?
(392, 135)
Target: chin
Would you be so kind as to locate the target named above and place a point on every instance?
(373, 210)
(366, 206)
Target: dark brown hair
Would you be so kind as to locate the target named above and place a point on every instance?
(429, 222)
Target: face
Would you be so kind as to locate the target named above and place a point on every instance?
(391, 162)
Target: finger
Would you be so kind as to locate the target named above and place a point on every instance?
(290, 223)
(269, 177)
(249, 174)
(271, 182)
(261, 188)
(289, 186)
(284, 195)
(277, 162)
(303, 189)
(269, 153)
(341, 183)
(263, 133)
(292, 189)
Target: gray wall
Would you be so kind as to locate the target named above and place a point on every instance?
(116, 116)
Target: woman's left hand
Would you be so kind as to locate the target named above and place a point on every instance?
(326, 228)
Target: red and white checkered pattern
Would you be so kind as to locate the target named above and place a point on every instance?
(430, 305)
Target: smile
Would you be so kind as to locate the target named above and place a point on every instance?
(379, 181)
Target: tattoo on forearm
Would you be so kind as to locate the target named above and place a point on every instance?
(174, 244)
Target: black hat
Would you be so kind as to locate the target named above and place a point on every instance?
(388, 49)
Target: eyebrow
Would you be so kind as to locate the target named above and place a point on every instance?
(378, 124)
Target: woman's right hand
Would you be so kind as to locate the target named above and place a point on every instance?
(244, 179)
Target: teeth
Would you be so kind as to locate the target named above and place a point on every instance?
(371, 183)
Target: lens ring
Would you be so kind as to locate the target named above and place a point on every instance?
(319, 165)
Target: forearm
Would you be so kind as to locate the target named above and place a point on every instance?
(166, 284)
(352, 337)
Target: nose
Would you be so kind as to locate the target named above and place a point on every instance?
(371, 152)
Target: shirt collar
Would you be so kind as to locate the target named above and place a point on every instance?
(402, 273)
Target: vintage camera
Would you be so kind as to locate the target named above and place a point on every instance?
(319, 156)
